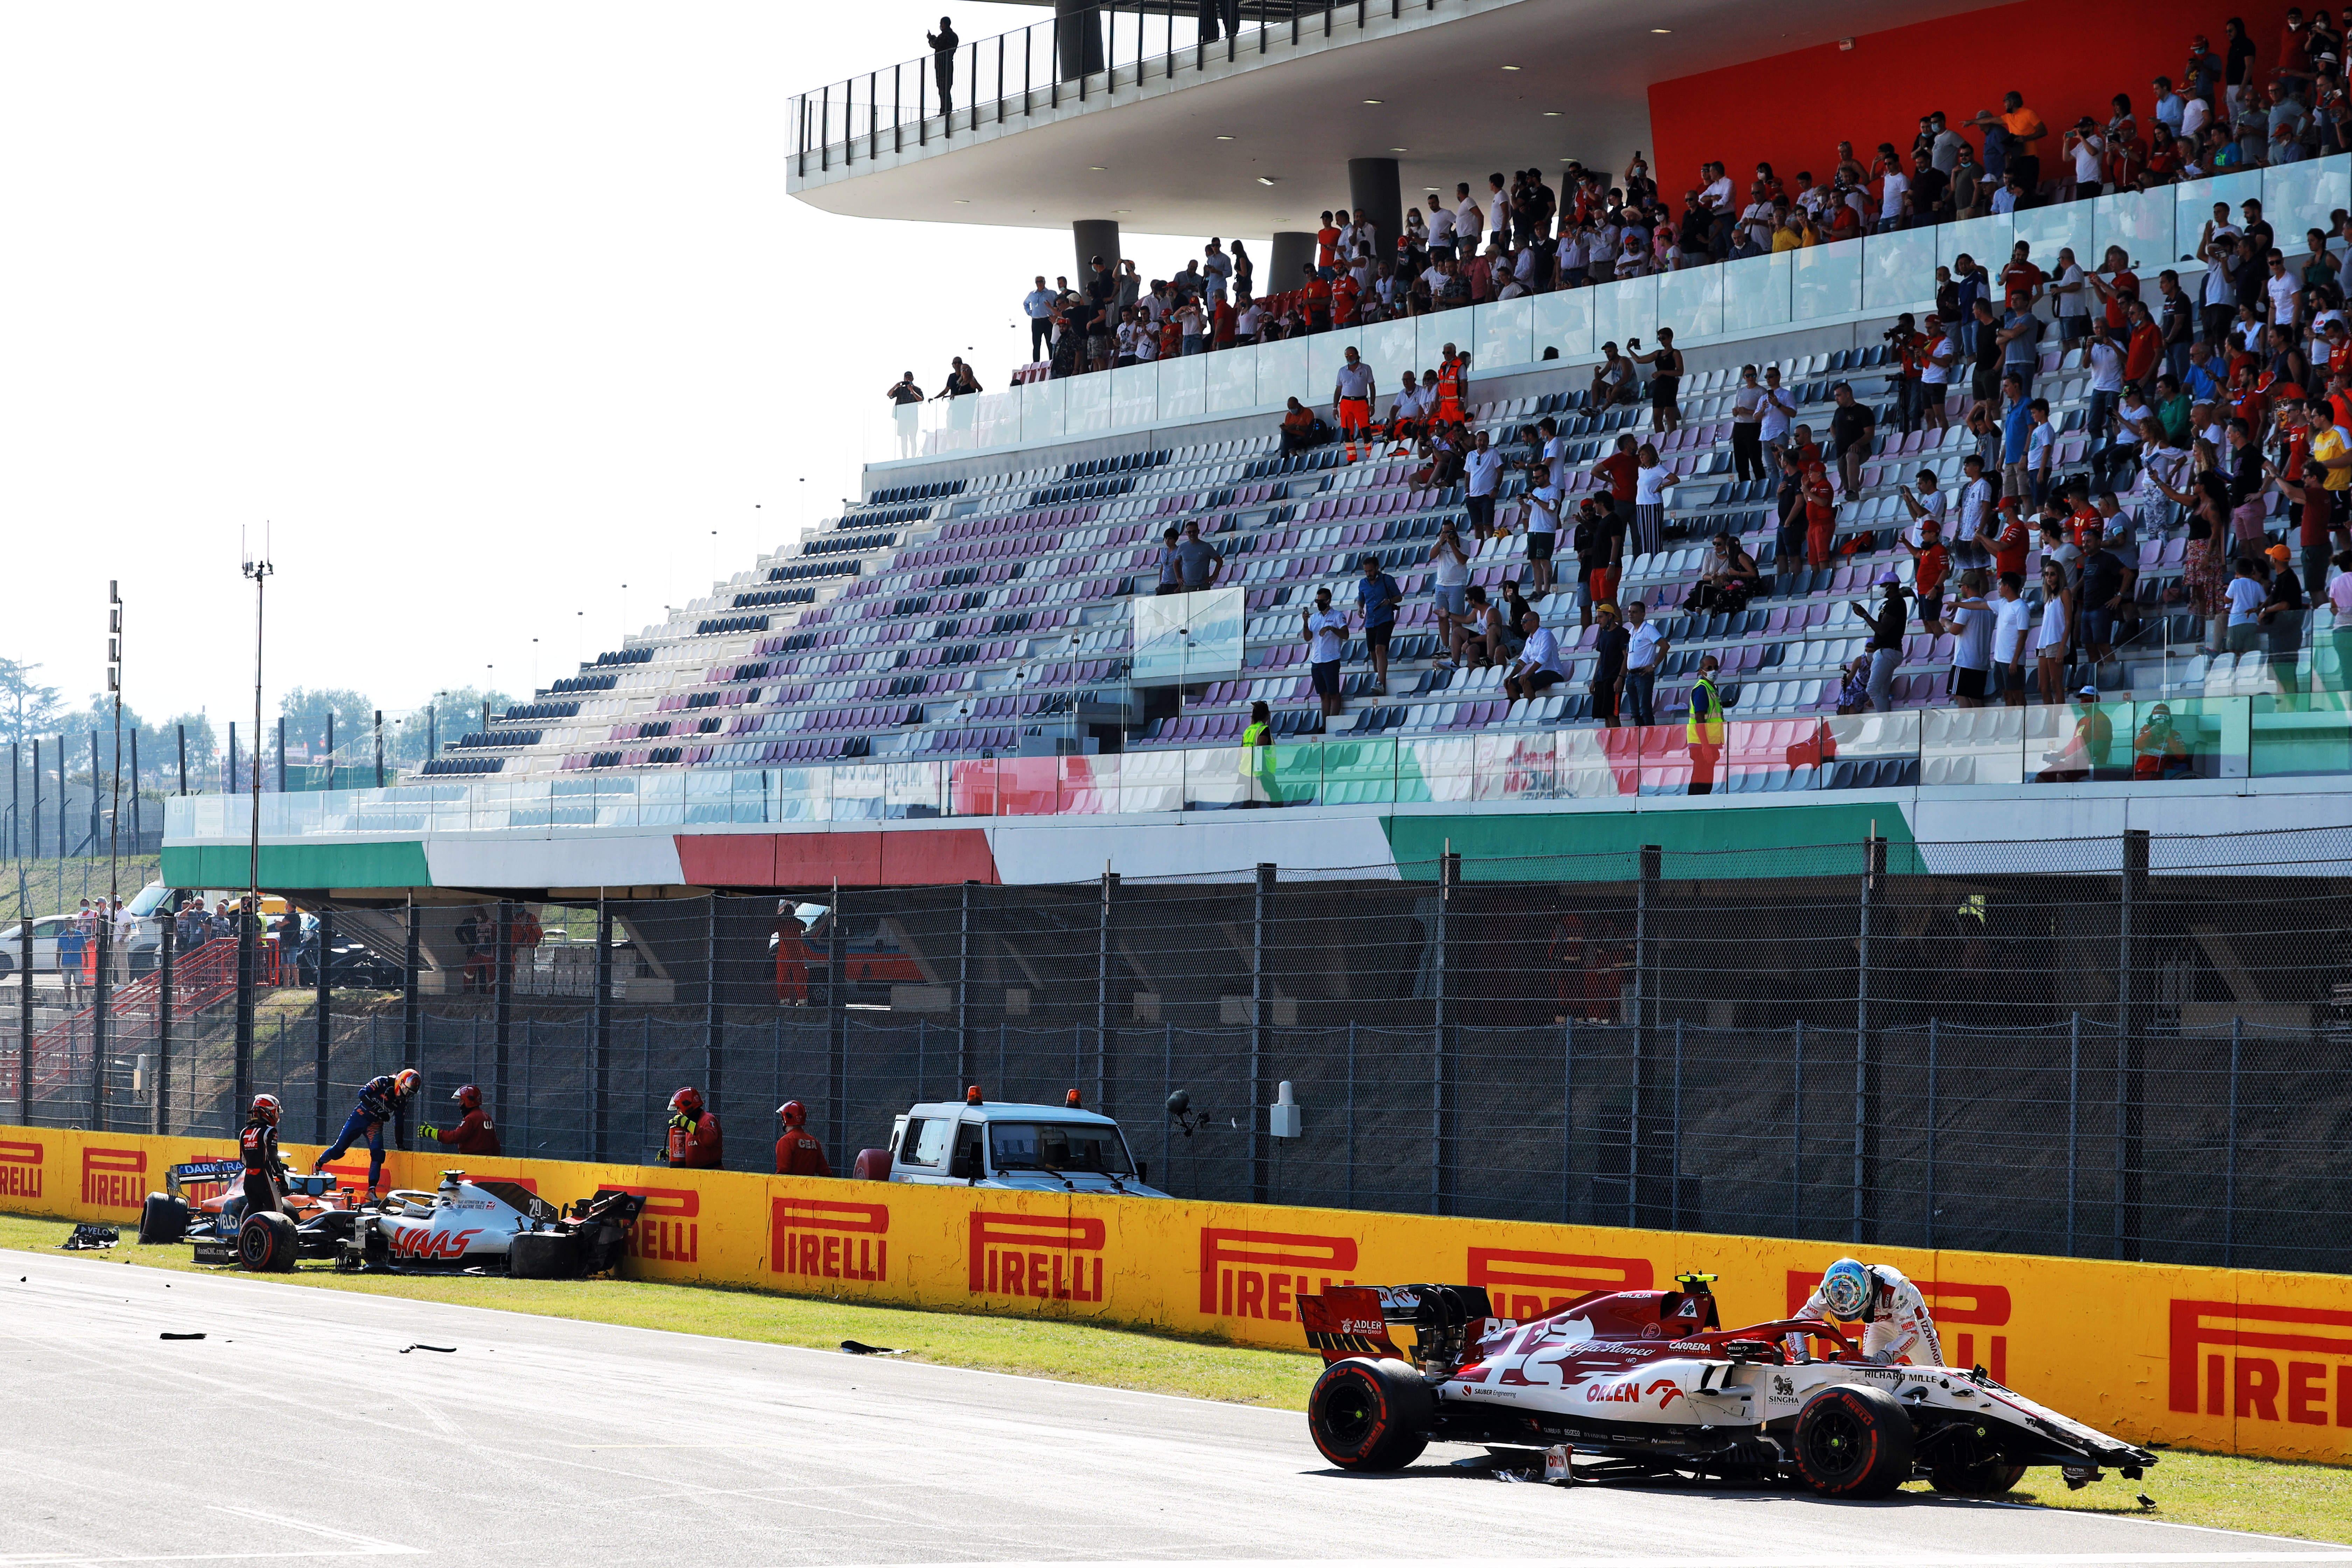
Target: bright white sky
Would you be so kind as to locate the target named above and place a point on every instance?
(485, 310)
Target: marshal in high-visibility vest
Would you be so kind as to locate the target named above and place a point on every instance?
(1704, 725)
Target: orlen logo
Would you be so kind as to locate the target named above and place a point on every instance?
(447, 1245)
(1542, 1282)
(114, 1178)
(1949, 1302)
(666, 1231)
(828, 1240)
(2220, 1334)
(1633, 1393)
(1246, 1273)
(1036, 1255)
(20, 1170)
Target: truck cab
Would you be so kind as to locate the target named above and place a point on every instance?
(1013, 1147)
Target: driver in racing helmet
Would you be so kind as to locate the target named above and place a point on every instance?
(1894, 1314)
(798, 1153)
(380, 1097)
(475, 1133)
(258, 1146)
(694, 1142)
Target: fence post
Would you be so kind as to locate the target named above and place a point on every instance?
(1645, 894)
(241, 1059)
(1865, 1065)
(1566, 1123)
(1104, 1075)
(1441, 1130)
(1167, 1088)
(502, 1034)
(2074, 1116)
(320, 1107)
(1797, 1135)
(2230, 1159)
(2130, 1050)
(102, 993)
(159, 1121)
(25, 987)
(1931, 1132)
(412, 1007)
(1261, 1015)
(599, 1077)
(1675, 1141)
(836, 998)
(1348, 1173)
(965, 1062)
(714, 1020)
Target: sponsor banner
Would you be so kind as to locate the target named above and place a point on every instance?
(2227, 1360)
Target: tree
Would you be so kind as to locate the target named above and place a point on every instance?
(306, 713)
(450, 715)
(27, 710)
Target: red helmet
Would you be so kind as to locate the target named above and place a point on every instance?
(793, 1112)
(687, 1101)
(468, 1098)
(265, 1110)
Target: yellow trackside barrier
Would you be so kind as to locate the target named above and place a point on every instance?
(2230, 1360)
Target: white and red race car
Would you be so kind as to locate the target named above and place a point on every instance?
(489, 1227)
(1646, 1383)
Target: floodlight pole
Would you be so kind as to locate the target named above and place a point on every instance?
(249, 933)
(259, 572)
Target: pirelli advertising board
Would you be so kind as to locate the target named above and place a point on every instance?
(2229, 1361)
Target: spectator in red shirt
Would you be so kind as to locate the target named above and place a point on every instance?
(2144, 354)
(1617, 471)
(2021, 280)
(474, 1134)
(1820, 515)
(1317, 289)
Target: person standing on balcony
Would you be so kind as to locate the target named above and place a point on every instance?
(1038, 306)
(944, 44)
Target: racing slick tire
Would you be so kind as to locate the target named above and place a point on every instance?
(165, 1218)
(267, 1244)
(1853, 1441)
(543, 1254)
(1986, 1478)
(1368, 1415)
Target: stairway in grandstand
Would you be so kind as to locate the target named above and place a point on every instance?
(947, 618)
(204, 978)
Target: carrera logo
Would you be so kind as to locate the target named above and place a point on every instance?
(1246, 1273)
(1543, 1282)
(828, 1240)
(446, 1246)
(1032, 1255)
(20, 1170)
(2216, 1337)
(114, 1178)
(1949, 1301)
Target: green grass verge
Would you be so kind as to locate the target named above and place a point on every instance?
(2310, 1501)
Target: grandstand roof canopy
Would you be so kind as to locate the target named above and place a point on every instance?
(1187, 152)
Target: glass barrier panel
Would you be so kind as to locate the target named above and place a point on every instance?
(1216, 777)
(2078, 743)
(1663, 758)
(1028, 786)
(2142, 225)
(1387, 348)
(2298, 197)
(2061, 226)
(1181, 380)
(1898, 270)
(1690, 300)
(1089, 786)
(1229, 380)
(661, 800)
(971, 786)
(1981, 240)
(799, 794)
(2193, 204)
(1563, 320)
(1625, 310)
(1086, 404)
(1282, 374)
(1295, 778)
(857, 792)
(1972, 746)
(748, 796)
(1598, 764)
(1443, 770)
(1825, 280)
(1134, 395)
(948, 423)
(295, 814)
(1359, 773)
(1871, 751)
(1517, 765)
(2301, 736)
(996, 419)
(1326, 353)
(1756, 292)
(1505, 333)
(902, 432)
(912, 791)
(1433, 331)
(616, 802)
(1771, 756)
(1042, 412)
(710, 796)
(1151, 780)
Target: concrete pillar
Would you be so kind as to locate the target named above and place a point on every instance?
(1373, 187)
(1292, 251)
(1078, 38)
(1094, 236)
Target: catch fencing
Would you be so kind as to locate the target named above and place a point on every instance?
(2117, 1049)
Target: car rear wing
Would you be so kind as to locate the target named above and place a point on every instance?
(1353, 1320)
(203, 1173)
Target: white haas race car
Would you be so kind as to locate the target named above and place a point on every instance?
(492, 1225)
(1647, 1384)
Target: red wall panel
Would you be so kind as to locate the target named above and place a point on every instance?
(1792, 110)
(727, 859)
(871, 859)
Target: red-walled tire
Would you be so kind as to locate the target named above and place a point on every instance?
(1853, 1441)
(1370, 1415)
(266, 1243)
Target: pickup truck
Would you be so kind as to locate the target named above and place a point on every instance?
(1008, 1146)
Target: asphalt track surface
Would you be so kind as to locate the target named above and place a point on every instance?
(296, 1431)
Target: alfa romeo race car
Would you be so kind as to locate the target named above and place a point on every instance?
(1648, 1384)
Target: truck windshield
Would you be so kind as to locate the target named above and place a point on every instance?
(1057, 1146)
(150, 896)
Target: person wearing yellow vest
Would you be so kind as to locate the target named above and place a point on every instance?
(1703, 729)
(1257, 762)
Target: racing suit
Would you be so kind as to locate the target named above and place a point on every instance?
(472, 1135)
(366, 1122)
(1896, 1327)
(258, 1144)
(694, 1144)
(798, 1153)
